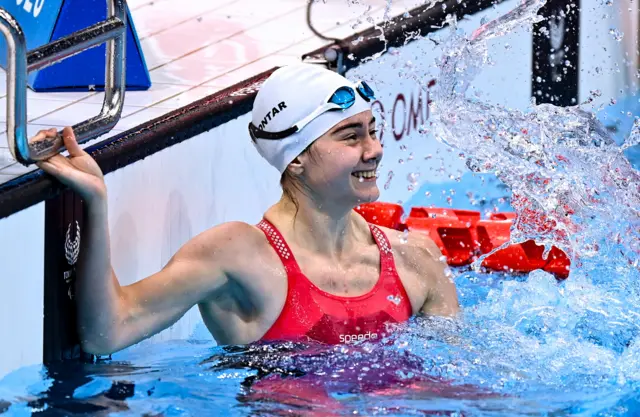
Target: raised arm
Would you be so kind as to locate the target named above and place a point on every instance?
(112, 317)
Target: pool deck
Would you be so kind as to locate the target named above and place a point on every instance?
(194, 48)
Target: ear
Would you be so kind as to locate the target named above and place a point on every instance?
(296, 167)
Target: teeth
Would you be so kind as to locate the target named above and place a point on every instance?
(365, 174)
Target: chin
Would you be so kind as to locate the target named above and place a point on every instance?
(365, 193)
(368, 197)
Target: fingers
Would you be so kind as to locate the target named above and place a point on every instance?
(71, 143)
(48, 167)
(59, 167)
(54, 165)
(68, 137)
(45, 133)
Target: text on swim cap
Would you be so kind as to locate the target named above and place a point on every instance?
(272, 113)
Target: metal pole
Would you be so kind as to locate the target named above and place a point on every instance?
(20, 63)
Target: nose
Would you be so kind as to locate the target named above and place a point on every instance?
(372, 149)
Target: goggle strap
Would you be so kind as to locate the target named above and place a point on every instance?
(263, 134)
(317, 112)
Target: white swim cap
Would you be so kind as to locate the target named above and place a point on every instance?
(288, 96)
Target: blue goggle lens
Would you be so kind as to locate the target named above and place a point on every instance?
(366, 90)
(343, 97)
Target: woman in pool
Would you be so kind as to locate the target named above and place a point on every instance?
(311, 269)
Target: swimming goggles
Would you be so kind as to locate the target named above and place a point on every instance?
(341, 99)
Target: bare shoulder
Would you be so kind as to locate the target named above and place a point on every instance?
(224, 242)
(416, 250)
(424, 260)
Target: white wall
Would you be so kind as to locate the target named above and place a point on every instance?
(21, 288)
(602, 64)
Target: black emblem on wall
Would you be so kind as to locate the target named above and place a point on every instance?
(63, 224)
(555, 54)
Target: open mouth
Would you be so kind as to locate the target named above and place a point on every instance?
(365, 175)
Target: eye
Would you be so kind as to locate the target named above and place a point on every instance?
(351, 137)
(373, 132)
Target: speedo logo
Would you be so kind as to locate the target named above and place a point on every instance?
(352, 338)
(267, 118)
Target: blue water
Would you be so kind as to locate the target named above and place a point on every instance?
(535, 354)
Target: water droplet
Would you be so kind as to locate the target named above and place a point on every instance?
(401, 161)
(447, 271)
(404, 237)
(427, 194)
(387, 184)
(617, 35)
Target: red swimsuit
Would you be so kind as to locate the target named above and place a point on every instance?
(311, 313)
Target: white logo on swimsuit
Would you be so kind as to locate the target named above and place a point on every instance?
(352, 338)
(394, 299)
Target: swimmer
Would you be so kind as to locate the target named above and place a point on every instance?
(312, 269)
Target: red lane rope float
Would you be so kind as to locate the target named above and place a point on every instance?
(462, 236)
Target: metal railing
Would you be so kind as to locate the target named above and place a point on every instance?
(20, 63)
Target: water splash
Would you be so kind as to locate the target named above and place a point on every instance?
(574, 188)
(572, 185)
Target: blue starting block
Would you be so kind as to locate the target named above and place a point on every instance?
(44, 21)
